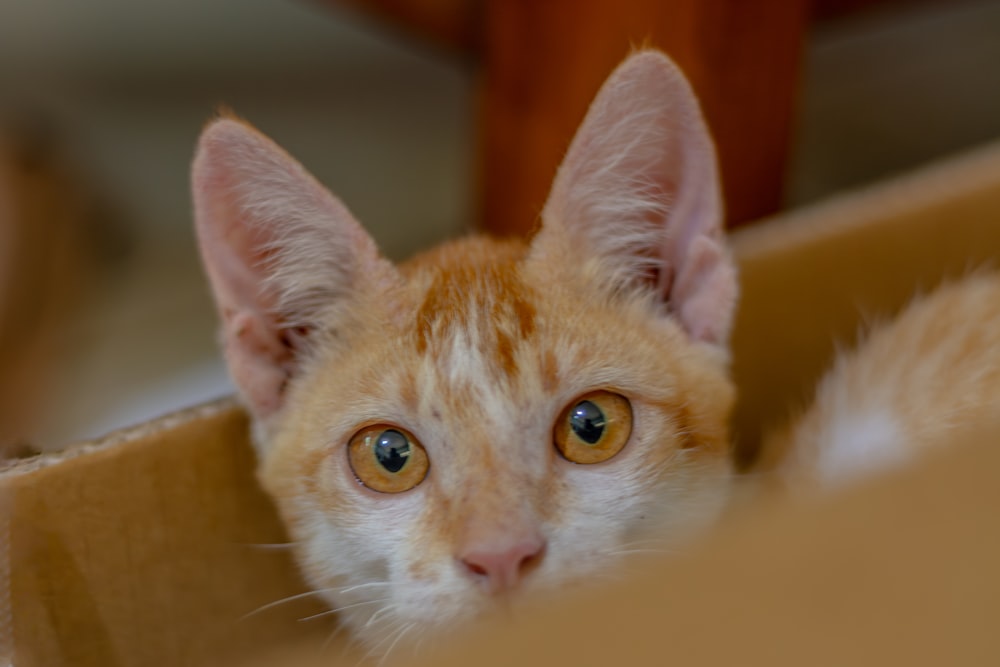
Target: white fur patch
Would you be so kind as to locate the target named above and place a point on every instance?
(857, 443)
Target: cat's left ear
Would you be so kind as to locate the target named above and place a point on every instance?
(639, 192)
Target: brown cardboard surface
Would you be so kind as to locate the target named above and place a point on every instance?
(136, 550)
(902, 571)
(139, 550)
(810, 277)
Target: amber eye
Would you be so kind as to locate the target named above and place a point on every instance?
(594, 427)
(387, 459)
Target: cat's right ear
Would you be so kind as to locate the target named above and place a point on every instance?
(282, 254)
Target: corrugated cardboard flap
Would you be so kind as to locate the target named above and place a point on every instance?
(812, 277)
(139, 549)
(900, 571)
(136, 550)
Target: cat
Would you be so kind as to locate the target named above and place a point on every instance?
(492, 417)
(916, 383)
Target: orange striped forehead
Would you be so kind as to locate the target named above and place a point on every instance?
(474, 336)
(475, 297)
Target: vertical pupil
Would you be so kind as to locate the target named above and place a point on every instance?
(588, 422)
(392, 450)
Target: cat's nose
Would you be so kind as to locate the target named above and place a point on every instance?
(501, 569)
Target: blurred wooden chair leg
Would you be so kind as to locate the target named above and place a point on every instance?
(44, 268)
(543, 62)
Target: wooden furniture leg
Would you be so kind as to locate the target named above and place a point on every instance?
(545, 59)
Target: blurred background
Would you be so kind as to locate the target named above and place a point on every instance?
(105, 317)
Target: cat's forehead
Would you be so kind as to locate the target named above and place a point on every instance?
(472, 304)
(493, 314)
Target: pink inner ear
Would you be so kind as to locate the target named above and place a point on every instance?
(640, 188)
(233, 247)
(239, 259)
(260, 365)
(279, 250)
(706, 288)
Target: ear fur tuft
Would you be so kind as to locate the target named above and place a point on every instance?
(639, 192)
(283, 255)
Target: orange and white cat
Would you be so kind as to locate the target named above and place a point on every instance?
(494, 416)
(920, 381)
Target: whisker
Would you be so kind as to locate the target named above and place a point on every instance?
(405, 630)
(329, 638)
(419, 645)
(390, 636)
(378, 614)
(358, 587)
(286, 600)
(639, 543)
(342, 608)
(623, 552)
(648, 540)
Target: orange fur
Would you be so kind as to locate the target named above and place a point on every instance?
(484, 474)
(473, 280)
(915, 383)
(477, 349)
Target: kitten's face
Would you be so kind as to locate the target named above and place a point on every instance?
(491, 418)
(477, 356)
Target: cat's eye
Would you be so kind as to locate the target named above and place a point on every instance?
(387, 458)
(594, 427)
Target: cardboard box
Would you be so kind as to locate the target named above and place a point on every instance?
(137, 550)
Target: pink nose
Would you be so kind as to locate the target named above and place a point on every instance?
(501, 569)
